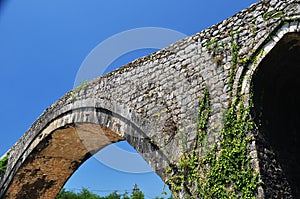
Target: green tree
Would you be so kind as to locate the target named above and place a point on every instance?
(86, 194)
(171, 197)
(137, 193)
(113, 195)
(83, 194)
(63, 194)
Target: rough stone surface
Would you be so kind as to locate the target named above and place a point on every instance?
(152, 102)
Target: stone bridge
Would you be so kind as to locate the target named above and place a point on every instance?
(216, 115)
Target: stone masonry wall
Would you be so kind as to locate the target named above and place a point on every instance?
(159, 94)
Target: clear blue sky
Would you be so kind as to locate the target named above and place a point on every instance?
(42, 46)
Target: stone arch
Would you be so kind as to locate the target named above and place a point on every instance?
(273, 76)
(260, 52)
(53, 151)
(150, 102)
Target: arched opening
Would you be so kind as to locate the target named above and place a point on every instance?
(117, 167)
(276, 86)
(60, 149)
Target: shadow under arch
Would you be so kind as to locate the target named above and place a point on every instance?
(65, 143)
(275, 85)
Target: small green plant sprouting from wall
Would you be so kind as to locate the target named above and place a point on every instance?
(83, 86)
(273, 14)
(216, 47)
(3, 164)
(211, 43)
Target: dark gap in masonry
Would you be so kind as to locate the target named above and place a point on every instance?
(276, 92)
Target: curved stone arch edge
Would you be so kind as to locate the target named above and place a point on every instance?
(76, 113)
(288, 25)
(244, 73)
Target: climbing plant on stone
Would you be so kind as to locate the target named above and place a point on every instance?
(185, 176)
(225, 170)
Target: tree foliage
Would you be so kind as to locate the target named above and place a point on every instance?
(86, 194)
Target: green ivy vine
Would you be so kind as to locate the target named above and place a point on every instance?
(230, 174)
(225, 170)
(186, 175)
(235, 57)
